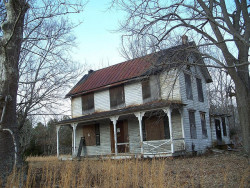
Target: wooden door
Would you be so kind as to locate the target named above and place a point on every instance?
(122, 136)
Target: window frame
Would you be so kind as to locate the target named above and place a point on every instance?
(203, 125)
(88, 102)
(188, 86)
(146, 89)
(200, 90)
(192, 124)
(115, 91)
(224, 128)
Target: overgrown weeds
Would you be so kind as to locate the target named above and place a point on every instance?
(206, 171)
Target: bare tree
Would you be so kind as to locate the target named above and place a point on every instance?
(213, 24)
(30, 29)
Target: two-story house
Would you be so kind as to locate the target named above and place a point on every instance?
(154, 105)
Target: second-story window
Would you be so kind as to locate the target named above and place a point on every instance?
(88, 102)
(116, 96)
(200, 90)
(146, 92)
(188, 84)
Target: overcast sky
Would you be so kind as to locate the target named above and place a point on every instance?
(97, 42)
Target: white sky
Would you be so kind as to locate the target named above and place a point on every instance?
(97, 42)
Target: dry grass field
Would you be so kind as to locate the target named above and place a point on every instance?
(230, 169)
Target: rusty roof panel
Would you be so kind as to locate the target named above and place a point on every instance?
(113, 74)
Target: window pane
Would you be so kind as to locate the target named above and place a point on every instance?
(199, 89)
(146, 93)
(188, 84)
(116, 96)
(224, 127)
(192, 125)
(88, 102)
(203, 125)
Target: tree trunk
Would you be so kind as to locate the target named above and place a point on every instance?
(10, 46)
(243, 106)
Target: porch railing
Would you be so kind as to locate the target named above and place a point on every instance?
(163, 146)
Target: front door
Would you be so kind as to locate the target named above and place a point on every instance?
(122, 136)
(218, 130)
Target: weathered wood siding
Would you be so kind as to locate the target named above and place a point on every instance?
(102, 101)
(134, 135)
(133, 94)
(105, 145)
(198, 144)
(169, 85)
(76, 107)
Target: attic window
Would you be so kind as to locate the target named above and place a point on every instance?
(146, 93)
(116, 96)
(188, 84)
(88, 102)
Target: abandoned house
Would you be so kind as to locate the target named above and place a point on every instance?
(155, 105)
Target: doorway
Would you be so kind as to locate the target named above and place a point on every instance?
(122, 136)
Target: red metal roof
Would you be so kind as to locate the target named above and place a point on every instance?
(111, 75)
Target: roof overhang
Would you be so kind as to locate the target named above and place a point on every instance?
(151, 106)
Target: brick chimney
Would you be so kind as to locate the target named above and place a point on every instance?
(184, 39)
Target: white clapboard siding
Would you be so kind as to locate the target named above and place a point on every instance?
(105, 144)
(133, 94)
(134, 135)
(76, 107)
(169, 83)
(102, 101)
(176, 125)
(199, 144)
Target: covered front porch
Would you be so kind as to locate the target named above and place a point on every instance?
(131, 132)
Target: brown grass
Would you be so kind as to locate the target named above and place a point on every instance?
(220, 170)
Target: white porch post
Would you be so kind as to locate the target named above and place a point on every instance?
(139, 115)
(74, 138)
(57, 140)
(168, 112)
(114, 120)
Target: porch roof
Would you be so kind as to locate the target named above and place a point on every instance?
(127, 110)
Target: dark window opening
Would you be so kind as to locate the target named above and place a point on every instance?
(193, 132)
(224, 126)
(116, 96)
(203, 125)
(200, 90)
(88, 102)
(188, 84)
(146, 92)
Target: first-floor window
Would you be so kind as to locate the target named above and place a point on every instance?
(91, 134)
(224, 126)
(203, 124)
(155, 128)
(192, 124)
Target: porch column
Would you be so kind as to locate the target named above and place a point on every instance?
(114, 120)
(168, 112)
(57, 140)
(74, 138)
(139, 115)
